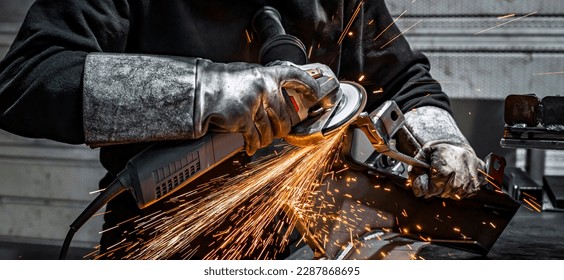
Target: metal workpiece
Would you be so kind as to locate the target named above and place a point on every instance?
(380, 127)
(382, 245)
(361, 204)
(375, 245)
(495, 168)
(380, 175)
(519, 185)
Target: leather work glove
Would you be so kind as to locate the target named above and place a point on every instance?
(139, 98)
(456, 171)
(246, 98)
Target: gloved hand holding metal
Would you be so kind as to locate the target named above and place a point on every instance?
(455, 168)
(137, 98)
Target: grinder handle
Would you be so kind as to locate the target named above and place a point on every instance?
(267, 23)
(276, 44)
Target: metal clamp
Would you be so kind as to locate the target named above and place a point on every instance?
(380, 127)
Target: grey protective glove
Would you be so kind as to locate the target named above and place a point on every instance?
(138, 98)
(455, 169)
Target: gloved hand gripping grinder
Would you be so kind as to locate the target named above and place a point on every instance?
(165, 167)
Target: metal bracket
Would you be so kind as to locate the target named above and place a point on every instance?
(378, 129)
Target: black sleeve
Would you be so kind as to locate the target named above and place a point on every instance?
(41, 76)
(391, 69)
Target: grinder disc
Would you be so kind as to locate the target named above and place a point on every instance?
(351, 104)
(316, 129)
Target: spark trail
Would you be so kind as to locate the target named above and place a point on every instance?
(249, 201)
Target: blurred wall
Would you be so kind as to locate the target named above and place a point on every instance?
(44, 184)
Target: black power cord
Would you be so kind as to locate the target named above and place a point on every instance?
(114, 189)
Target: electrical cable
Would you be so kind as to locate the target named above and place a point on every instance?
(114, 189)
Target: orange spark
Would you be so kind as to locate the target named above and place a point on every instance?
(388, 27)
(397, 36)
(248, 36)
(501, 24)
(506, 16)
(349, 24)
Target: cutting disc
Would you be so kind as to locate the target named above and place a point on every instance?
(316, 129)
(352, 102)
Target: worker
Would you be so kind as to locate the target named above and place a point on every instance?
(122, 74)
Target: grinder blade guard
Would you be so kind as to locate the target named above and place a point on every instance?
(316, 129)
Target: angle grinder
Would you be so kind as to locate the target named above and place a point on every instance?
(166, 167)
(335, 110)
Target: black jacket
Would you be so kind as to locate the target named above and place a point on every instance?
(41, 76)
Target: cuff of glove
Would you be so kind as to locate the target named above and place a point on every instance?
(137, 98)
(432, 124)
(422, 153)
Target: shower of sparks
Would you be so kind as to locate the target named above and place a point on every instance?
(390, 25)
(504, 23)
(403, 32)
(349, 24)
(250, 201)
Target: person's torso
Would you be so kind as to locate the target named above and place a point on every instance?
(221, 30)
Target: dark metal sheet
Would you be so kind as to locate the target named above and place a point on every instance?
(554, 186)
